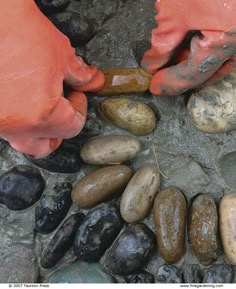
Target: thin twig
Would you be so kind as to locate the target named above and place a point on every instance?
(155, 156)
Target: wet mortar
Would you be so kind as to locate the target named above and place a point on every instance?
(193, 161)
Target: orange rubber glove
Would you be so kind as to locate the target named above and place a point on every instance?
(35, 61)
(211, 53)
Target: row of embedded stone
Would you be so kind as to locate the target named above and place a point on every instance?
(23, 185)
(127, 256)
(170, 207)
(93, 234)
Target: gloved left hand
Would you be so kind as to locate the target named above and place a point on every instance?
(212, 51)
(35, 61)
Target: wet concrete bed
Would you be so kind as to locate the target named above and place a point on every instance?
(193, 161)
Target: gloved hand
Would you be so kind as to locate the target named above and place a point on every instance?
(211, 53)
(35, 61)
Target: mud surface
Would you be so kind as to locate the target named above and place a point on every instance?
(191, 160)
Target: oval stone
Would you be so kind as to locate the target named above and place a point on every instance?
(111, 149)
(203, 229)
(212, 108)
(131, 250)
(101, 185)
(61, 241)
(81, 272)
(228, 226)
(170, 219)
(97, 232)
(21, 187)
(139, 194)
(52, 209)
(134, 116)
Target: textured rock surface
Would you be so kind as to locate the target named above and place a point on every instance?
(203, 229)
(169, 213)
(212, 108)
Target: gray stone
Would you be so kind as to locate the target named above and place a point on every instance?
(80, 272)
(227, 165)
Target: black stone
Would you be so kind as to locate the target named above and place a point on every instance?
(97, 232)
(66, 159)
(219, 273)
(49, 6)
(52, 209)
(140, 277)
(93, 127)
(61, 241)
(169, 274)
(192, 273)
(77, 28)
(139, 47)
(21, 187)
(131, 250)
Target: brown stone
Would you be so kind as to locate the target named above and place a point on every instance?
(170, 219)
(203, 229)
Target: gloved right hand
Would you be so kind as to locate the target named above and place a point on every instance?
(35, 61)
(212, 50)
